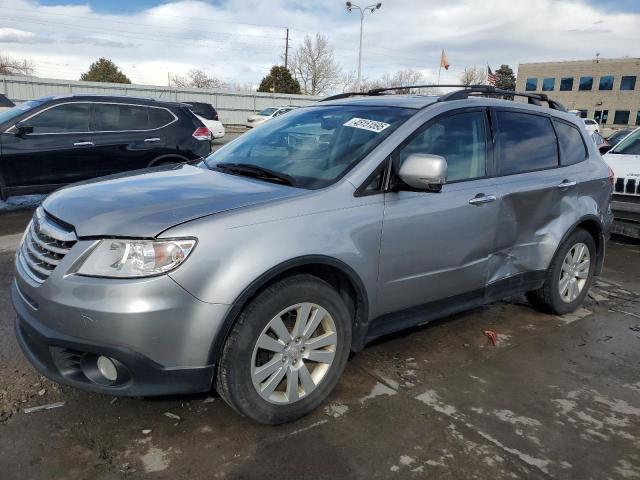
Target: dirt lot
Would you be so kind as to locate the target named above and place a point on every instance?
(558, 397)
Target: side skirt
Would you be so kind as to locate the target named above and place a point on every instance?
(428, 312)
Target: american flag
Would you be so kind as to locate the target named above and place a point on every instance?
(492, 78)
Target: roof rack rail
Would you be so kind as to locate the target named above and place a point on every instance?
(465, 92)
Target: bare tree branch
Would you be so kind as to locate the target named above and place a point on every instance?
(314, 66)
(472, 76)
(196, 79)
(14, 66)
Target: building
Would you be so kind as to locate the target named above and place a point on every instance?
(606, 90)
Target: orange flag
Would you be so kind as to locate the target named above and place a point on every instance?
(444, 61)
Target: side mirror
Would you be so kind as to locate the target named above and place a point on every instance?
(424, 172)
(604, 148)
(23, 128)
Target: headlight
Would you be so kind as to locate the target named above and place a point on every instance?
(135, 258)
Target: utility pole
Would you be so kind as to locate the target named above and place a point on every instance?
(286, 50)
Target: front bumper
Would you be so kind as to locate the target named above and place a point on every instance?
(160, 336)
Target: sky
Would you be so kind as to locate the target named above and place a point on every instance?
(238, 41)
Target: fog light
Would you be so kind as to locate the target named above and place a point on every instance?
(107, 368)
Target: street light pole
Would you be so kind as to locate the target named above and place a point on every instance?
(371, 8)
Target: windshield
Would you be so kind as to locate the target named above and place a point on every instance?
(18, 110)
(267, 112)
(630, 145)
(315, 146)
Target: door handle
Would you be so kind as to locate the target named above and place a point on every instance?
(567, 184)
(152, 140)
(83, 144)
(481, 199)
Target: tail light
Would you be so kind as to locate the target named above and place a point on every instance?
(612, 177)
(202, 133)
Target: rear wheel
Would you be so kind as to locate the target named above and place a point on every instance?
(569, 276)
(287, 350)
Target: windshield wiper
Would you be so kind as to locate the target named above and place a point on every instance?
(257, 171)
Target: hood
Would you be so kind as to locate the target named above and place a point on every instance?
(147, 202)
(624, 165)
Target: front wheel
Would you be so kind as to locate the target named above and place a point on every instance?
(287, 350)
(569, 276)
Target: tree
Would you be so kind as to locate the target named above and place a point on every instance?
(400, 78)
(104, 70)
(472, 76)
(506, 79)
(314, 66)
(279, 80)
(196, 79)
(14, 66)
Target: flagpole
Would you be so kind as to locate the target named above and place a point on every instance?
(439, 71)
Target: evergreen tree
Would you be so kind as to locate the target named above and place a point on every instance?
(104, 70)
(279, 80)
(506, 79)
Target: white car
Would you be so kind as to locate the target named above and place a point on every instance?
(591, 125)
(208, 115)
(266, 114)
(624, 161)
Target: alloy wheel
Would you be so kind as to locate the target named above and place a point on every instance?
(293, 353)
(574, 273)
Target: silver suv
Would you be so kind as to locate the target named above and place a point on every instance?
(258, 271)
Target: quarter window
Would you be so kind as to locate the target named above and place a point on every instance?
(532, 85)
(628, 82)
(606, 82)
(586, 83)
(111, 117)
(621, 117)
(67, 118)
(460, 139)
(525, 143)
(566, 84)
(572, 149)
(548, 84)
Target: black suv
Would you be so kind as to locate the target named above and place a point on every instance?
(52, 141)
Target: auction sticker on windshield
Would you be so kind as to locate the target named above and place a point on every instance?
(364, 124)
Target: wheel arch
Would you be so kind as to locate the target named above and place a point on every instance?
(335, 272)
(593, 225)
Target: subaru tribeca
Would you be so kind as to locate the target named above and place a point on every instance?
(259, 270)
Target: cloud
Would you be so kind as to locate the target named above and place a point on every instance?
(14, 35)
(239, 41)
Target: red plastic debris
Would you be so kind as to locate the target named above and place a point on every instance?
(493, 337)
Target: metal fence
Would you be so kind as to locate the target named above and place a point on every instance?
(233, 107)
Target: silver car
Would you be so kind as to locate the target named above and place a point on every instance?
(266, 114)
(259, 270)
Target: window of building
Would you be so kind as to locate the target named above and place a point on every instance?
(628, 82)
(621, 117)
(66, 118)
(586, 83)
(548, 84)
(566, 84)
(526, 142)
(532, 85)
(638, 118)
(606, 82)
(601, 116)
(460, 138)
(572, 149)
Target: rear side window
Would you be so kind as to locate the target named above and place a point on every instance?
(526, 142)
(67, 118)
(111, 117)
(572, 149)
(159, 117)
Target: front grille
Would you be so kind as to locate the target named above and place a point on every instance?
(630, 186)
(45, 244)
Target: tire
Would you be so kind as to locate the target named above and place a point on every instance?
(549, 298)
(243, 362)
